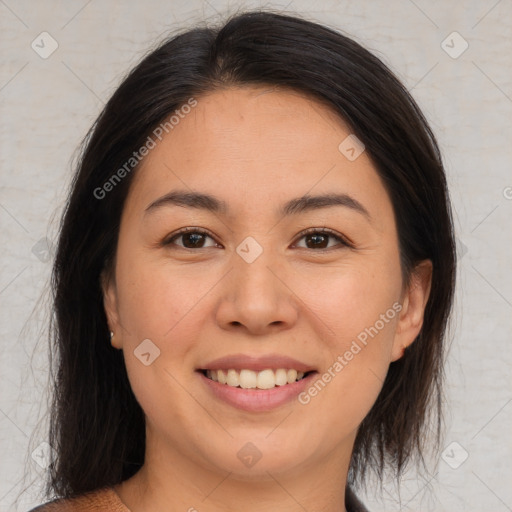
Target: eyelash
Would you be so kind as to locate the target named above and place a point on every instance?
(343, 241)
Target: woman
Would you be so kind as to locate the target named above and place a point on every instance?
(260, 225)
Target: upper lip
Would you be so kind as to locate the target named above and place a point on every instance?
(257, 363)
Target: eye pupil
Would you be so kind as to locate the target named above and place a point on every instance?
(195, 237)
(317, 240)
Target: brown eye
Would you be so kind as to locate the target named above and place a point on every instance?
(190, 239)
(193, 240)
(320, 239)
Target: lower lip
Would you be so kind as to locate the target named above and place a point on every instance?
(257, 400)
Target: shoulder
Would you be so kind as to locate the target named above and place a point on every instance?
(104, 499)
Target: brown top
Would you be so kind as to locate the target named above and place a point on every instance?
(107, 500)
(104, 500)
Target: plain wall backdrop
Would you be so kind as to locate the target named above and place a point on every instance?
(61, 61)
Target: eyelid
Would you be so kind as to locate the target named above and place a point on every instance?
(190, 229)
(345, 241)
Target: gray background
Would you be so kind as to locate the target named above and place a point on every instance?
(47, 105)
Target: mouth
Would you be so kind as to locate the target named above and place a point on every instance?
(256, 382)
(250, 379)
(256, 391)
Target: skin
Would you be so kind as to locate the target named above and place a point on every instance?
(255, 148)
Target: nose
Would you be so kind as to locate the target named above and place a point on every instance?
(256, 298)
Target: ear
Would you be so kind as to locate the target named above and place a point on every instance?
(110, 302)
(415, 299)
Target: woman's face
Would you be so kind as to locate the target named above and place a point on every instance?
(255, 290)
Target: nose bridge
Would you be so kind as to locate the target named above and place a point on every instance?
(253, 280)
(256, 295)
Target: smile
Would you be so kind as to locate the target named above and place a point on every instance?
(249, 379)
(274, 393)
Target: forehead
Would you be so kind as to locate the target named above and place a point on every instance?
(288, 122)
(254, 145)
(255, 101)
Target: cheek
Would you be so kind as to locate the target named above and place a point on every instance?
(354, 373)
(155, 297)
(350, 300)
(168, 305)
(160, 303)
(359, 310)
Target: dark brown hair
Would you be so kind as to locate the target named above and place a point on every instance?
(97, 426)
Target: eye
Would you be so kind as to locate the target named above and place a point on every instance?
(319, 239)
(192, 238)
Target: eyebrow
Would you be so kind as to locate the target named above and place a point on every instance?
(292, 207)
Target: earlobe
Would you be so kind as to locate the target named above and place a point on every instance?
(110, 304)
(413, 308)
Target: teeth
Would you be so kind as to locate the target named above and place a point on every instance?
(291, 375)
(249, 379)
(281, 377)
(232, 378)
(221, 376)
(266, 379)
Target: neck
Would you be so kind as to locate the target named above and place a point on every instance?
(172, 480)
